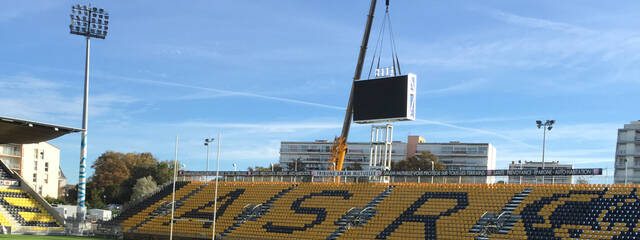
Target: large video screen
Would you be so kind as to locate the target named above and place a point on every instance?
(384, 99)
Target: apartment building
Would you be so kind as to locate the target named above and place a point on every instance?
(627, 159)
(38, 164)
(455, 155)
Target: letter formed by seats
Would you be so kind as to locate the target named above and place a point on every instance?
(597, 213)
(228, 198)
(320, 213)
(429, 220)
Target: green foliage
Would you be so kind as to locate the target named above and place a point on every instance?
(71, 196)
(276, 168)
(292, 166)
(581, 180)
(53, 201)
(161, 172)
(95, 195)
(144, 187)
(354, 167)
(418, 162)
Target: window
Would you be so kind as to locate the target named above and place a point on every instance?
(620, 161)
(46, 167)
(46, 178)
(35, 151)
(42, 154)
(35, 165)
(40, 190)
(35, 178)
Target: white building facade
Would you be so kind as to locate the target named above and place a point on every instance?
(455, 155)
(463, 156)
(315, 155)
(38, 164)
(627, 163)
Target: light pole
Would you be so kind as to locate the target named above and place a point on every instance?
(520, 161)
(89, 22)
(547, 125)
(206, 143)
(295, 177)
(235, 169)
(432, 168)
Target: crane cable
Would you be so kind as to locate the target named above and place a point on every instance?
(378, 49)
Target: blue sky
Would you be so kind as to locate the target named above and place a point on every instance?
(262, 72)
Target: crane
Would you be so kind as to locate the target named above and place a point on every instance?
(339, 147)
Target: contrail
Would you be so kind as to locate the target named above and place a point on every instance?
(481, 131)
(295, 101)
(228, 92)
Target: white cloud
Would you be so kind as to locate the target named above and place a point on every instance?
(10, 10)
(475, 130)
(537, 22)
(34, 98)
(463, 86)
(281, 127)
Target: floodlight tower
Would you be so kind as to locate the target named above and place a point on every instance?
(547, 125)
(206, 143)
(89, 22)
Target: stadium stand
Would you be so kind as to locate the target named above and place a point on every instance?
(22, 210)
(390, 211)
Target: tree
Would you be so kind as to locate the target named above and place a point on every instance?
(160, 172)
(581, 180)
(54, 201)
(110, 168)
(276, 168)
(94, 194)
(418, 162)
(71, 195)
(116, 174)
(354, 167)
(291, 166)
(114, 167)
(144, 187)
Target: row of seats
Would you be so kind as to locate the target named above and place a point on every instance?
(391, 211)
(25, 210)
(144, 204)
(4, 173)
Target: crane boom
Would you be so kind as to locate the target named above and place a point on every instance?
(339, 148)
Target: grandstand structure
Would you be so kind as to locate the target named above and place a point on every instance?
(22, 210)
(294, 210)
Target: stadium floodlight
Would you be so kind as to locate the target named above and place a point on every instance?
(547, 125)
(206, 143)
(91, 23)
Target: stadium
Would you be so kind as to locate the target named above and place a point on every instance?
(339, 210)
(328, 201)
